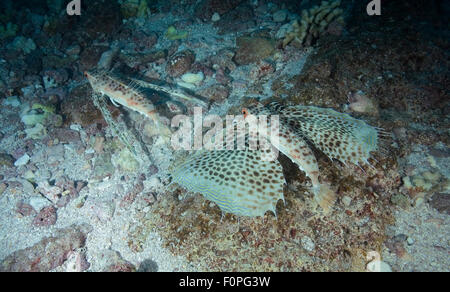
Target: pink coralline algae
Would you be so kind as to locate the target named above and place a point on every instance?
(46, 217)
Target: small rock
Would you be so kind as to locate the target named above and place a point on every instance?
(73, 50)
(53, 193)
(215, 17)
(3, 187)
(253, 49)
(11, 101)
(410, 241)
(106, 59)
(307, 243)
(38, 203)
(193, 78)
(77, 262)
(346, 200)
(6, 160)
(279, 16)
(22, 160)
(441, 202)
(115, 262)
(48, 253)
(46, 217)
(148, 265)
(25, 209)
(215, 92)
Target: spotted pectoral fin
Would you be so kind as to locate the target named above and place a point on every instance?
(298, 151)
(238, 181)
(338, 135)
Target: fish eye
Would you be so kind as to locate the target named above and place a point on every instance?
(244, 111)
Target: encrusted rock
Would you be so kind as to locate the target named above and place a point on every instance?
(441, 202)
(215, 92)
(25, 209)
(48, 253)
(46, 217)
(253, 49)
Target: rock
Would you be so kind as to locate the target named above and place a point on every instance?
(148, 265)
(103, 166)
(284, 29)
(37, 132)
(77, 262)
(65, 135)
(261, 69)
(115, 263)
(215, 92)
(46, 217)
(79, 109)
(222, 77)
(253, 49)
(38, 203)
(73, 50)
(207, 8)
(223, 59)
(3, 187)
(48, 253)
(55, 77)
(441, 202)
(52, 193)
(90, 57)
(180, 63)
(11, 101)
(125, 160)
(22, 160)
(346, 200)
(361, 103)
(144, 41)
(6, 160)
(279, 16)
(193, 78)
(106, 59)
(25, 209)
(22, 43)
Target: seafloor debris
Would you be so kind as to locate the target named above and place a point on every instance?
(48, 253)
(314, 22)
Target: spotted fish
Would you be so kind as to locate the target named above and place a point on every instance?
(338, 135)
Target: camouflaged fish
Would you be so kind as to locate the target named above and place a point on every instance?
(156, 100)
(240, 182)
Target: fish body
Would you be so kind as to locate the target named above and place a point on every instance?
(156, 105)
